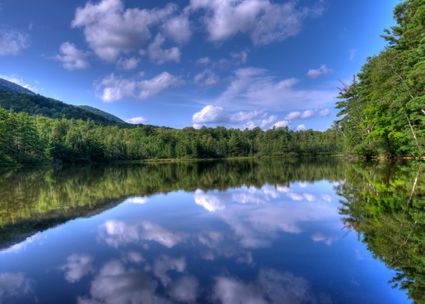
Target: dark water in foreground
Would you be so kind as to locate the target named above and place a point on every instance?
(214, 232)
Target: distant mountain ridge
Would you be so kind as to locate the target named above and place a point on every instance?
(6, 85)
(20, 99)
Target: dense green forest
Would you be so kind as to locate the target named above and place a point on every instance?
(35, 139)
(382, 113)
(385, 205)
(34, 104)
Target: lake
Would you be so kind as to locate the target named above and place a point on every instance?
(272, 231)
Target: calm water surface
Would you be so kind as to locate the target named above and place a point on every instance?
(214, 232)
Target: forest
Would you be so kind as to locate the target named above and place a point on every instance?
(382, 113)
(26, 139)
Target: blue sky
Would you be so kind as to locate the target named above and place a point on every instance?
(237, 63)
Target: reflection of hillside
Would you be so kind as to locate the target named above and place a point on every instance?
(386, 205)
(33, 200)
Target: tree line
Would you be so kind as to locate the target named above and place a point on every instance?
(34, 139)
(382, 113)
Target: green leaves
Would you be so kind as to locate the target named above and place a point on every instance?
(382, 111)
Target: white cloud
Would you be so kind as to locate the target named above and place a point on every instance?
(164, 264)
(77, 266)
(13, 285)
(206, 77)
(184, 289)
(71, 57)
(159, 55)
(118, 233)
(157, 84)
(270, 287)
(322, 238)
(254, 87)
(210, 202)
(204, 60)
(113, 88)
(281, 124)
(306, 114)
(211, 115)
(116, 284)
(116, 88)
(12, 42)
(324, 112)
(321, 71)
(111, 30)
(128, 63)
(256, 219)
(137, 199)
(178, 29)
(301, 127)
(263, 21)
(241, 56)
(208, 114)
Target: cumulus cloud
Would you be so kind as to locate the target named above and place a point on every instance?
(252, 89)
(211, 115)
(263, 21)
(116, 284)
(210, 202)
(157, 84)
(113, 88)
(271, 287)
(320, 237)
(204, 60)
(128, 63)
(306, 114)
(137, 199)
(301, 127)
(164, 264)
(206, 78)
(71, 57)
(178, 29)
(255, 87)
(254, 217)
(110, 29)
(118, 233)
(281, 124)
(321, 71)
(12, 42)
(185, 289)
(14, 285)
(77, 266)
(160, 55)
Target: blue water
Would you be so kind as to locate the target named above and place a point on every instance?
(247, 244)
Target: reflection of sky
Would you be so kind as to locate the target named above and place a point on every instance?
(270, 244)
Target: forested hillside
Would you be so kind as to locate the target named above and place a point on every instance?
(382, 113)
(28, 139)
(16, 99)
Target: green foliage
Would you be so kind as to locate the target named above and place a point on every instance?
(383, 111)
(33, 104)
(27, 139)
(385, 204)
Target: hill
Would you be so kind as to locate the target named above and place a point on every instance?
(20, 99)
(103, 114)
(6, 85)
